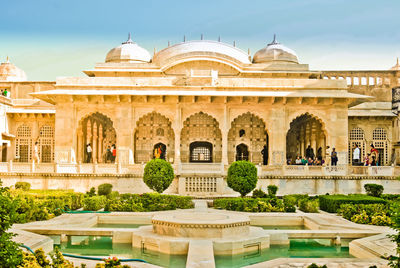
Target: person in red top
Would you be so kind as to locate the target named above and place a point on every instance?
(114, 153)
(374, 154)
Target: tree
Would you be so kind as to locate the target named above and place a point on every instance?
(158, 175)
(10, 253)
(242, 177)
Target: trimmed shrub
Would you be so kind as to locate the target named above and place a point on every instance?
(94, 203)
(158, 175)
(373, 189)
(290, 203)
(104, 189)
(376, 214)
(258, 193)
(25, 186)
(148, 202)
(308, 205)
(92, 192)
(250, 204)
(242, 177)
(272, 189)
(331, 203)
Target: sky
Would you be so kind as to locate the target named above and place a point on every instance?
(53, 38)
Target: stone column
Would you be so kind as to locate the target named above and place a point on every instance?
(302, 140)
(80, 145)
(95, 142)
(277, 137)
(177, 126)
(314, 137)
(100, 145)
(224, 132)
(65, 133)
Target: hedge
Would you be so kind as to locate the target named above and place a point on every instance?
(331, 203)
(148, 202)
(251, 204)
(94, 203)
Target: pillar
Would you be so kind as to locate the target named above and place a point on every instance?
(95, 142)
(224, 132)
(177, 126)
(80, 145)
(100, 145)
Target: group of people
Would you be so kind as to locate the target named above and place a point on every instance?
(371, 159)
(110, 155)
(331, 157)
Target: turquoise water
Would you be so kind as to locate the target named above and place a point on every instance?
(101, 246)
(299, 248)
(118, 225)
(282, 227)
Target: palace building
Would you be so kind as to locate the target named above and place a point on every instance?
(201, 105)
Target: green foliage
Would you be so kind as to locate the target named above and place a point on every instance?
(290, 203)
(250, 204)
(41, 258)
(258, 193)
(148, 202)
(394, 260)
(242, 177)
(104, 189)
(35, 205)
(308, 205)
(112, 262)
(158, 175)
(272, 189)
(25, 186)
(373, 189)
(10, 254)
(92, 192)
(375, 214)
(94, 203)
(331, 203)
(313, 265)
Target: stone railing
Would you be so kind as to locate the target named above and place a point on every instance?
(198, 169)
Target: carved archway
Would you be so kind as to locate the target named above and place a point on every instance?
(151, 129)
(249, 129)
(201, 127)
(305, 130)
(97, 130)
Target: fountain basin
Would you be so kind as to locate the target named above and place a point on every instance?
(201, 225)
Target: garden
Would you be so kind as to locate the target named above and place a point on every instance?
(20, 204)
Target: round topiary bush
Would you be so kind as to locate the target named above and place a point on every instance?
(158, 175)
(104, 189)
(25, 186)
(242, 177)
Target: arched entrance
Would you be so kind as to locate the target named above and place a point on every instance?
(242, 152)
(46, 144)
(154, 129)
(98, 131)
(201, 152)
(159, 150)
(203, 129)
(248, 130)
(305, 137)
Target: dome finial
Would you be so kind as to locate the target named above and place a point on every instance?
(8, 59)
(274, 42)
(129, 41)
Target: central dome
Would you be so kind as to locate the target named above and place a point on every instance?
(128, 51)
(203, 49)
(275, 52)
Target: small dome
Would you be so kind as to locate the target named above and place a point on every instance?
(396, 67)
(129, 51)
(10, 72)
(275, 52)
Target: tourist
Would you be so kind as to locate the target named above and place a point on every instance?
(374, 154)
(310, 161)
(304, 161)
(373, 161)
(356, 155)
(89, 153)
(319, 154)
(334, 157)
(328, 155)
(367, 159)
(36, 153)
(264, 152)
(114, 153)
(310, 152)
(298, 160)
(108, 154)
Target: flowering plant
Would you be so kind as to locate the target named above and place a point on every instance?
(112, 262)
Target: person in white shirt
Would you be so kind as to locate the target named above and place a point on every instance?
(36, 153)
(356, 155)
(89, 153)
